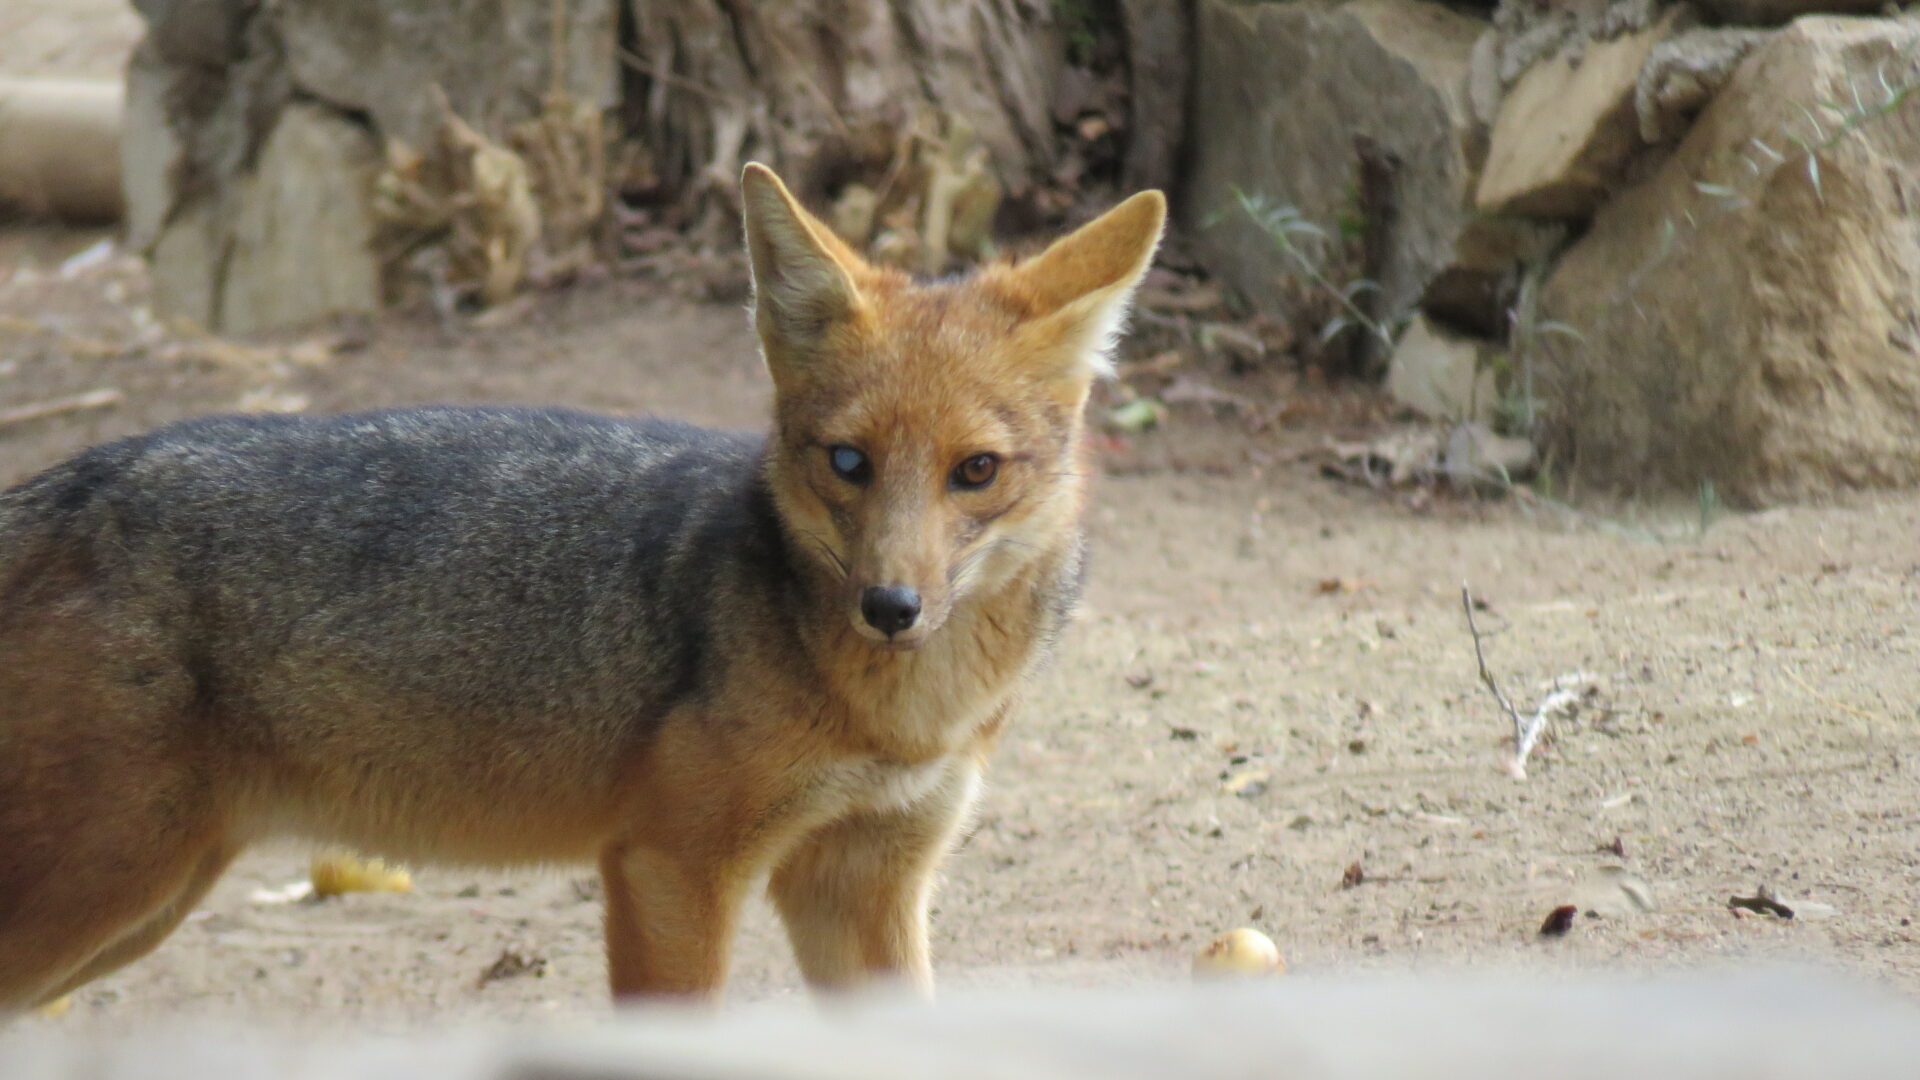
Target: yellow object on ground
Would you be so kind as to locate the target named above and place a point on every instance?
(337, 872)
(1238, 953)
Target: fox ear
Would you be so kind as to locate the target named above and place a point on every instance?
(803, 275)
(1076, 292)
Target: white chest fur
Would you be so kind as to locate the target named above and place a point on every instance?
(876, 784)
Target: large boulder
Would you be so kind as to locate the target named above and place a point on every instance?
(1749, 315)
(1315, 105)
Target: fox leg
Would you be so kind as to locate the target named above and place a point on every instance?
(161, 922)
(109, 826)
(98, 891)
(669, 923)
(854, 894)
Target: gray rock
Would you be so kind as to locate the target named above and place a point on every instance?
(301, 246)
(1285, 97)
(492, 58)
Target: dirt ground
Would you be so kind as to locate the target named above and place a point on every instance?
(1756, 719)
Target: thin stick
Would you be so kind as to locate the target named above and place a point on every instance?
(1824, 699)
(1525, 732)
(92, 399)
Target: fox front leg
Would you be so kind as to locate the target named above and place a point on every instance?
(854, 894)
(670, 924)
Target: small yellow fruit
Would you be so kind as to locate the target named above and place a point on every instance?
(336, 872)
(1239, 953)
(54, 1009)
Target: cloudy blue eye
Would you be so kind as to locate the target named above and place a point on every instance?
(851, 465)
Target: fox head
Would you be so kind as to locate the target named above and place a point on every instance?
(927, 438)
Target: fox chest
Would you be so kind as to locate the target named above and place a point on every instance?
(871, 784)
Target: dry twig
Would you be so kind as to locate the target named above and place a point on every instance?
(1526, 730)
(92, 399)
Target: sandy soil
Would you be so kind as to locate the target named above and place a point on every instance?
(1757, 718)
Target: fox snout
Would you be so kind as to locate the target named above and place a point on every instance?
(894, 607)
(890, 609)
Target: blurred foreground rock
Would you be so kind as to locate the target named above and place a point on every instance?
(1777, 1026)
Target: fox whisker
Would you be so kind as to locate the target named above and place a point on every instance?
(839, 564)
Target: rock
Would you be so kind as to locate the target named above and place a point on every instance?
(1484, 85)
(255, 131)
(1288, 97)
(1740, 323)
(1159, 59)
(1442, 375)
(1474, 454)
(492, 58)
(199, 33)
(1477, 291)
(185, 260)
(288, 243)
(1683, 73)
(1566, 130)
(151, 150)
(1775, 12)
(302, 245)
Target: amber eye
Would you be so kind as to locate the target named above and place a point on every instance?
(976, 472)
(849, 464)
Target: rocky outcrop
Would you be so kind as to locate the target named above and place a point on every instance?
(256, 134)
(1749, 315)
(1356, 115)
(289, 241)
(1566, 130)
(535, 107)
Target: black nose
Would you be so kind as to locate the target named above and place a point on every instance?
(891, 608)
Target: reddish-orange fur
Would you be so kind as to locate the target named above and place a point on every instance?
(842, 766)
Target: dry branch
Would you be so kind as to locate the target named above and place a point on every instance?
(1526, 729)
(92, 399)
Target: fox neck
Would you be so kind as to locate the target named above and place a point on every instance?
(918, 705)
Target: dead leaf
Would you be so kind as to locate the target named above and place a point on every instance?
(513, 965)
(1559, 921)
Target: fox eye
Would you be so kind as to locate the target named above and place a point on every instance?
(849, 464)
(976, 472)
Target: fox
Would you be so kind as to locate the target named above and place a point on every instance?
(698, 660)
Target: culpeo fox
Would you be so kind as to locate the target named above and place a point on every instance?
(514, 635)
